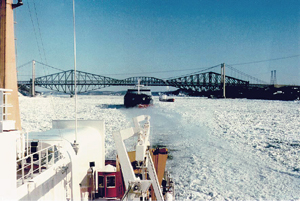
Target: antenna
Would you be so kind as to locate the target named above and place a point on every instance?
(75, 144)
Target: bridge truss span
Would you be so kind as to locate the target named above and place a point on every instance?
(209, 81)
(146, 81)
(65, 82)
(199, 82)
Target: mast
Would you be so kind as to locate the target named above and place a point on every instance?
(75, 144)
(8, 71)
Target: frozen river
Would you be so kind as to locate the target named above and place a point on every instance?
(220, 149)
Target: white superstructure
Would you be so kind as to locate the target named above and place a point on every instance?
(52, 171)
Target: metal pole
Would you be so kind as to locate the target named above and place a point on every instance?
(75, 144)
(33, 79)
(75, 79)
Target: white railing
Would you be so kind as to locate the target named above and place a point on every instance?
(35, 163)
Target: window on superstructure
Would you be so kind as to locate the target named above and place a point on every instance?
(110, 181)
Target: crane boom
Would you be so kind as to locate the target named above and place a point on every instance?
(137, 188)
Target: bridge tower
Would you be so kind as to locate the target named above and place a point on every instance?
(273, 77)
(223, 79)
(33, 79)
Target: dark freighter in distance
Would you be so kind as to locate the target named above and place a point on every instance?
(138, 97)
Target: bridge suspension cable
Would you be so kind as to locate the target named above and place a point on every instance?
(30, 62)
(23, 65)
(266, 60)
(153, 72)
(248, 77)
(200, 71)
(49, 66)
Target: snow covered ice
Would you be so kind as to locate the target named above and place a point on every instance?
(220, 149)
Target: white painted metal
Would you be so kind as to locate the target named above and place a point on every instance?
(169, 197)
(127, 170)
(143, 140)
(71, 169)
(8, 167)
(153, 176)
(75, 79)
(136, 188)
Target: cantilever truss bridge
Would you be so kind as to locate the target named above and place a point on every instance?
(203, 83)
(64, 82)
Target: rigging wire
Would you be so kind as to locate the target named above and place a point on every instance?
(16, 47)
(38, 25)
(34, 30)
(40, 44)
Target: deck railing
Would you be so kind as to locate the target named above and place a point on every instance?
(34, 163)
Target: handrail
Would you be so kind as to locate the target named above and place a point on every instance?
(36, 162)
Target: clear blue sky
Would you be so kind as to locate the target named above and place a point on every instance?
(122, 38)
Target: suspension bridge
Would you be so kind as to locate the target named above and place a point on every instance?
(201, 83)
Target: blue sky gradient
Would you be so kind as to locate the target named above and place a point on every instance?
(128, 37)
